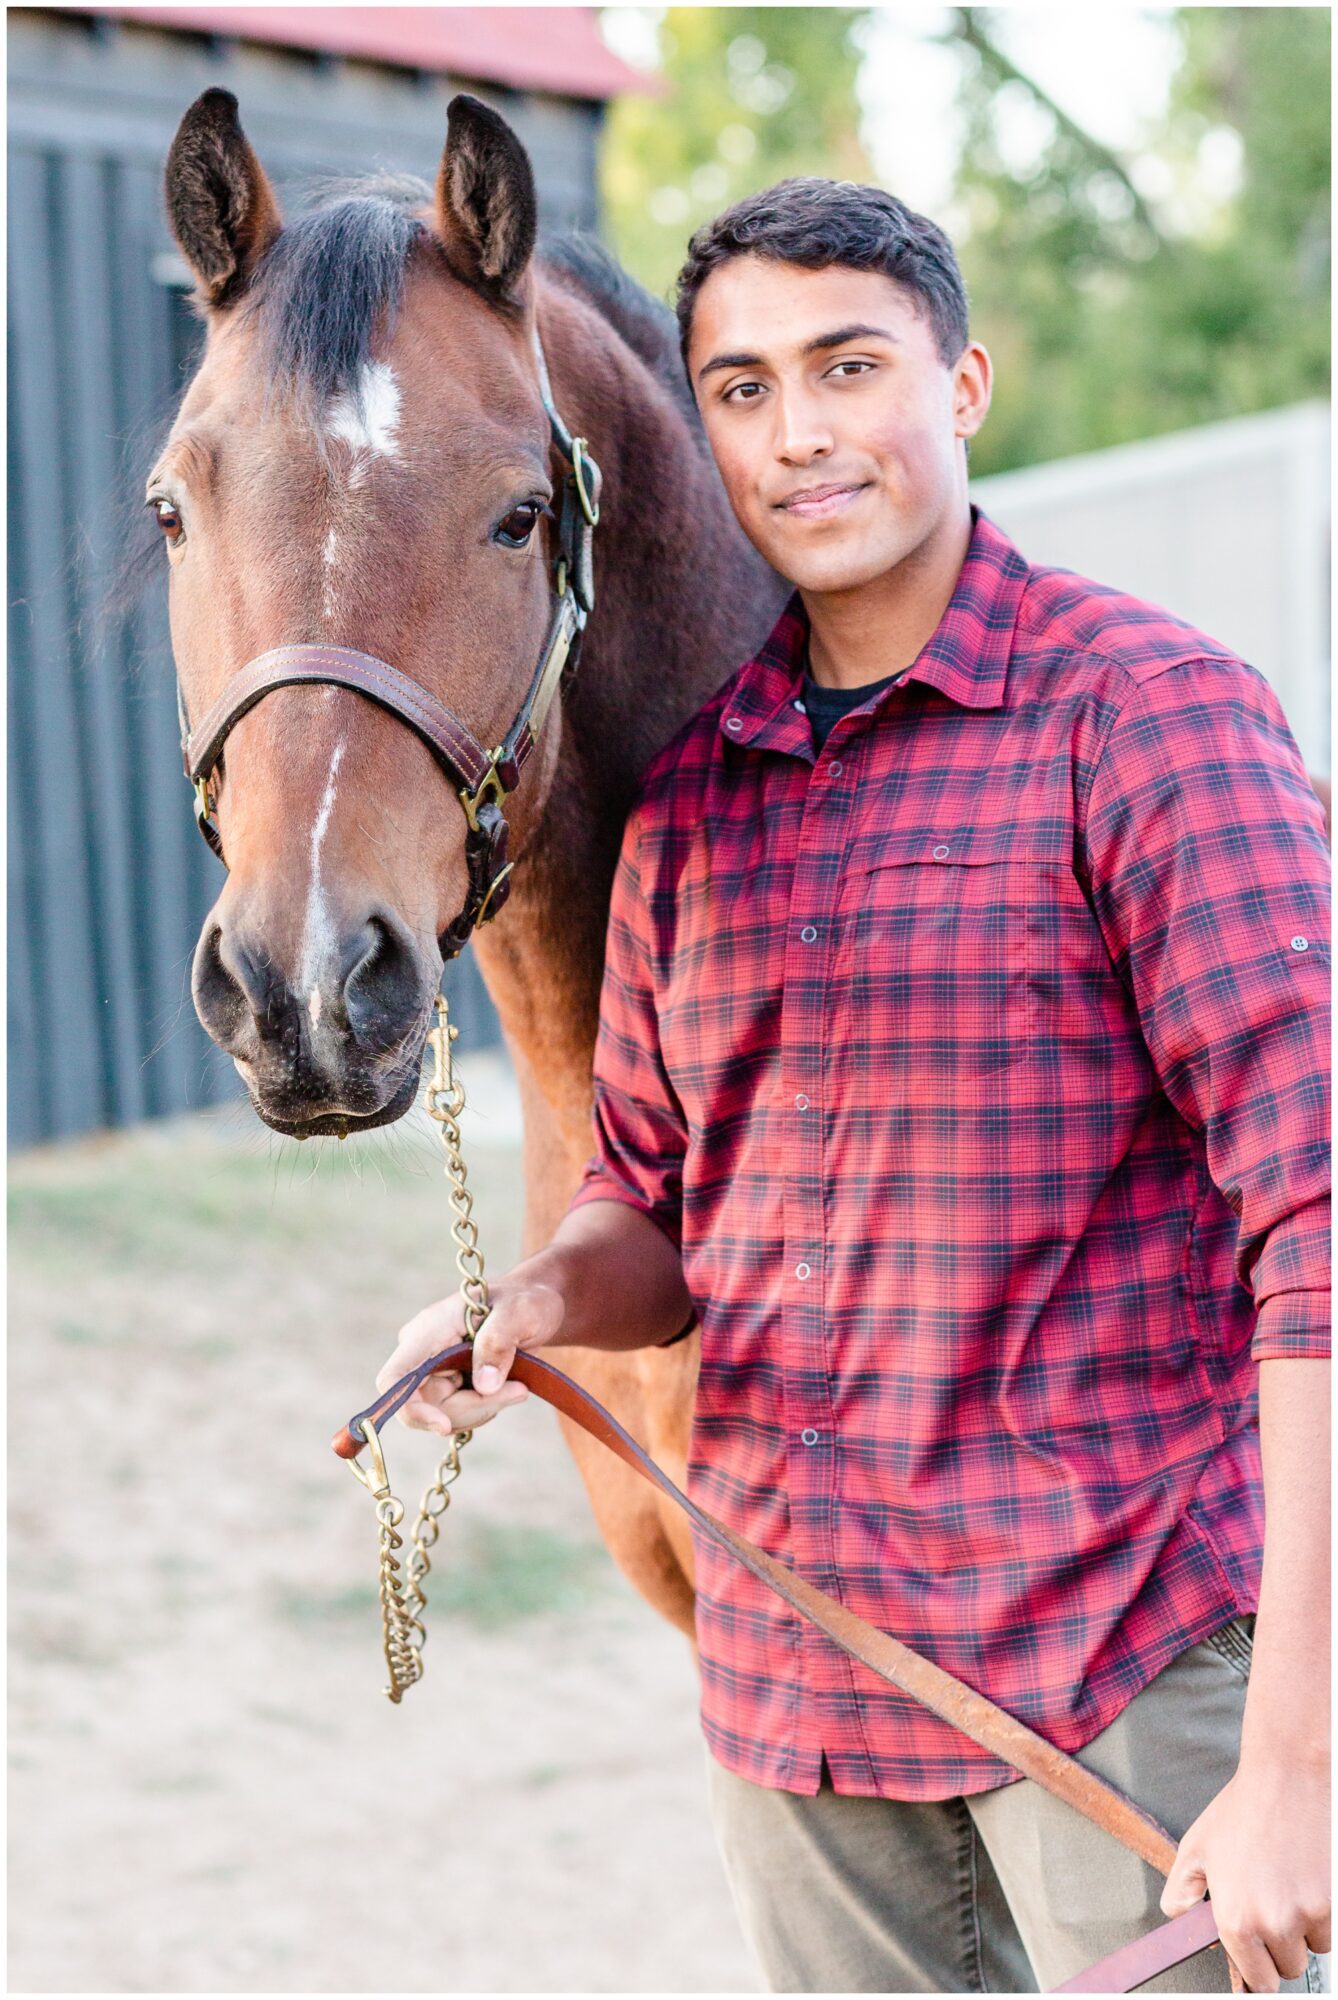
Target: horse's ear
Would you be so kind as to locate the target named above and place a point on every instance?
(486, 209)
(219, 202)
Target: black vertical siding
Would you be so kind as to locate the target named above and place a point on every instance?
(108, 878)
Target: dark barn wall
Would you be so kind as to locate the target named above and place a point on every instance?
(108, 878)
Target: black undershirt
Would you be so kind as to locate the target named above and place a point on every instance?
(825, 706)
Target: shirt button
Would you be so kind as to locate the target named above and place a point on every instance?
(808, 933)
(809, 1436)
(800, 706)
(941, 853)
(803, 1271)
(1300, 944)
(733, 722)
(835, 770)
(801, 1101)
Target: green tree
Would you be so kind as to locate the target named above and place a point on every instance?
(1122, 297)
(752, 94)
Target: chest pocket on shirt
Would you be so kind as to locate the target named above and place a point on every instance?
(933, 945)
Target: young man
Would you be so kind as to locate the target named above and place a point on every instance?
(962, 1061)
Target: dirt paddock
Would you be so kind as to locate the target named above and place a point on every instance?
(208, 1790)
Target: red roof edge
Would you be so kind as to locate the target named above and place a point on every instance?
(558, 50)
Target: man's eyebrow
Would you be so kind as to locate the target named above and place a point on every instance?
(719, 361)
(844, 333)
(819, 344)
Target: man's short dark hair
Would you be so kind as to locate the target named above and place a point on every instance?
(815, 223)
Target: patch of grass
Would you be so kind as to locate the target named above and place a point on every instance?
(289, 1718)
(183, 1783)
(73, 1333)
(499, 1577)
(543, 1775)
(131, 1198)
(49, 1647)
(504, 1575)
(306, 1607)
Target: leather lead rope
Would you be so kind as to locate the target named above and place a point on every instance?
(950, 1699)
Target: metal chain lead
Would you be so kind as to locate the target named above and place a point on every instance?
(403, 1634)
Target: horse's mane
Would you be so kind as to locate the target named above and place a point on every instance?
(335, 274)
(333, 280)
(648, 326)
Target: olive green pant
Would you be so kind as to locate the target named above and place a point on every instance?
(1008, 1891)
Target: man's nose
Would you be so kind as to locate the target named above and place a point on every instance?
(802, 433)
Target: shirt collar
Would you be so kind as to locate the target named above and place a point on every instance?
(966, 659)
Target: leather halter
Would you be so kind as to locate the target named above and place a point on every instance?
(482, 778)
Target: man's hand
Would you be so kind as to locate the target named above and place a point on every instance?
(524, 1316)
(1260, 1851)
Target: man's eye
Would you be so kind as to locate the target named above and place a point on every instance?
(169, 520)
(854, 367)
(515, 529)
(742, 392)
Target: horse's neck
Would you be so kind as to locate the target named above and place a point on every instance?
(682, 598)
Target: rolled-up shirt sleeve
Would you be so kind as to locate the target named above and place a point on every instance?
(1209, 876)
(640, 1130)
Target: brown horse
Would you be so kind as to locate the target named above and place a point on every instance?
(363, 460)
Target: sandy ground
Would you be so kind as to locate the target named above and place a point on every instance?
(208, 1791)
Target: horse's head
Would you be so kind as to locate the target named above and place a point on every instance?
(362, 461)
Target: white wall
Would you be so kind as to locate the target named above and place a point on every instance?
(1226, 525)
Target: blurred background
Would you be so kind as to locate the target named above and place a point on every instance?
(211, 1793)
(1139, 196)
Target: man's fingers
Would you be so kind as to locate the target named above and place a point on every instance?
(523, 1319)
(463, 1411)
(1186, 1884)
(433, 1394)
(469, 1409)
(1250, 1955)
(495, 1346)
(427, 1333)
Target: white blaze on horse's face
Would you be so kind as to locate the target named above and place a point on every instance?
(318, 933)
(329, 557)
(366, 418)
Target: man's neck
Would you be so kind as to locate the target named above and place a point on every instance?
(862, 635)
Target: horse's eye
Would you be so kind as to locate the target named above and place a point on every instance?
(515, 530)
(169, 520)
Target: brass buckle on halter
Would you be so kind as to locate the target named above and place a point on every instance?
(483, 917)
(580, 460)
(202, 799)
(491, 780)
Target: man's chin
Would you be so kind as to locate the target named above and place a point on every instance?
(830, 559)
(836, 571)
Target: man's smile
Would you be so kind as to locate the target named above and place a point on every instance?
(816, 503)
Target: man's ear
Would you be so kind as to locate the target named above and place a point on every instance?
(219, 202)
(487, 214)
(973, 385)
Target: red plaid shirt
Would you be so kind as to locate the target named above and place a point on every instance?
(977, 1066)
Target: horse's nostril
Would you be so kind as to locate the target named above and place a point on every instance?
(219, 1000)
(239, 994)
(382, 993)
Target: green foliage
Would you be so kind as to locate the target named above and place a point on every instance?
(753, 95)
(1125, 297)
(1120, 296)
